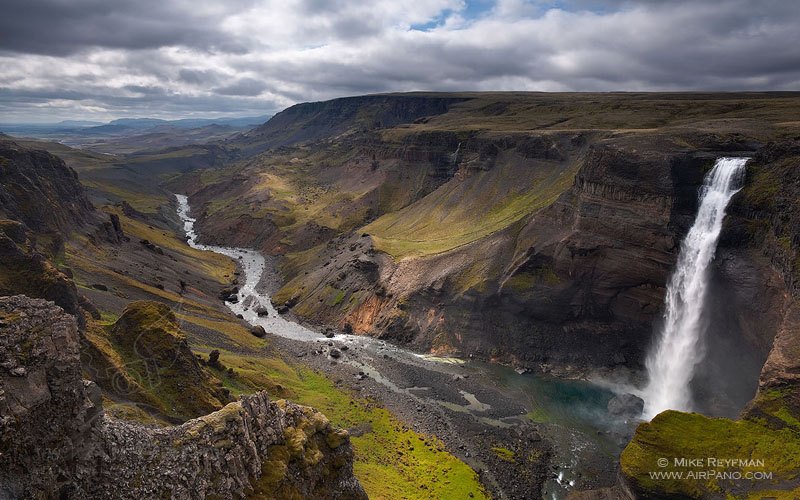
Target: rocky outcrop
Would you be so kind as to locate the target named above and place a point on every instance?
(777, 402)
(38, 189)
(55, 440)
(145, 358)
(48, 412)
(24, 270)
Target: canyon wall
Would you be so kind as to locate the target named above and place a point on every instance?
(492, 229)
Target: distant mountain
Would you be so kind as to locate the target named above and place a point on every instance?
(122, 126)
(128, 135)
(78, 123)
(136, 122)
(189, 122)
(248, 121)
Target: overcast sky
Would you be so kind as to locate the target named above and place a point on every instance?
(103, 59)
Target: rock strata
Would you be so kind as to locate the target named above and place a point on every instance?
(57, 442)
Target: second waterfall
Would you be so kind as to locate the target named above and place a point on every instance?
(672, 361)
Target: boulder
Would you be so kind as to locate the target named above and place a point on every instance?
(229, 294)
(626, 405)
(258, 331)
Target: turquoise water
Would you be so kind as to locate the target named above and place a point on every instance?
(575, 403)
(573, 414)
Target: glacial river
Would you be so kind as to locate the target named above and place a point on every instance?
(572, 413)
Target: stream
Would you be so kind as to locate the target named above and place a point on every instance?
(571, 414)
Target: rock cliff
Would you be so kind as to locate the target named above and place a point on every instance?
(55, 440)
(43, 204)
(757, 269)
(38, 189)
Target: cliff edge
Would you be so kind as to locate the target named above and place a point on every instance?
(56, 441)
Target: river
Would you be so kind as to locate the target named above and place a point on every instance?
(571, 414)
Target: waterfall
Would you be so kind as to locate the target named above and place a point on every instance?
(672, 361)
(454, 155)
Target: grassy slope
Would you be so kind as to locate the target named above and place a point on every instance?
(285, 189)
(460, 212)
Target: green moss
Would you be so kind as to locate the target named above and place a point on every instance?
(339, 297)
(674, 435)
(539, 415)
(108, 318)
(503, 454)
(776, 405)
(273, 471)
(762, 186)
(521, 282)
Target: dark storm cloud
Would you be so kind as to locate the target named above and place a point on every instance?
(95, 57)
(199, 77)
(61, 27)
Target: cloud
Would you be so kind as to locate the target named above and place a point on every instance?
(63, 27)
(170, 58)
(243, 87)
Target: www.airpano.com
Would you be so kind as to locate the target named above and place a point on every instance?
(732, 469)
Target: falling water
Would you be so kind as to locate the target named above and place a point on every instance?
(671, 363)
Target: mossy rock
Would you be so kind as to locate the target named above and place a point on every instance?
(659, 446)
(154, 353)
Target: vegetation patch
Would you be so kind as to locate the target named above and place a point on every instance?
(443, 221)
(503, 454)
(674, 435)
(392, 461)
(146, 345)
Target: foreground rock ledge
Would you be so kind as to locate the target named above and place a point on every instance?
(55, 440)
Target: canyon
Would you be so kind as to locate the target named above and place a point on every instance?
(533, 230)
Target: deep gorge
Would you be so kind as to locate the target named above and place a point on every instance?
(495, 264)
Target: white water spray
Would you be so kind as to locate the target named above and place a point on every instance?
(672, 362)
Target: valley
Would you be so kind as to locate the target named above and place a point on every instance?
(433, 393)
(466, 283)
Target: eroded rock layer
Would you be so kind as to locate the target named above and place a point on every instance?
(55, 440)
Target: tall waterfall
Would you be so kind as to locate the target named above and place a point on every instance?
(671, 363)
